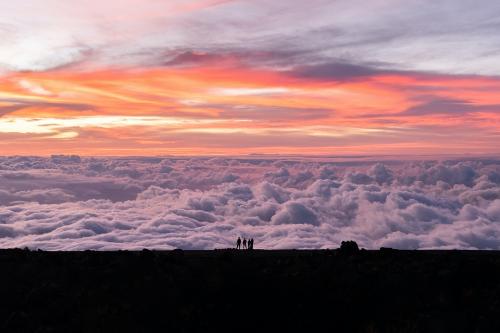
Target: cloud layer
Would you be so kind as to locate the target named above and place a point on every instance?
(68, 202)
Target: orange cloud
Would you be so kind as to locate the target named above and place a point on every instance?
(239, 110)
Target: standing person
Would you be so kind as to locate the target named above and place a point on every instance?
(250, 244)
(238, 243)
(244, 243)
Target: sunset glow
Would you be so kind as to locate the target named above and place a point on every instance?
(117, 81)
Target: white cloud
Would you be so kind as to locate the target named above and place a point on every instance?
(67, 202)
(34, 88)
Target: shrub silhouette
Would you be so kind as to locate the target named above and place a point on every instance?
(349, 247)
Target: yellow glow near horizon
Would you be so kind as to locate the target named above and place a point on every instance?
(54, 125)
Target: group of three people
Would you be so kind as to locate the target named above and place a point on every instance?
(246, 244)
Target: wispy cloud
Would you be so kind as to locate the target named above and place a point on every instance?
(39, 35)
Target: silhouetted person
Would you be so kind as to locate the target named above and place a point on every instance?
(238, 243)
(250, 244)
(244, 243)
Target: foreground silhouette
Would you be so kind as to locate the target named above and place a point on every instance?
(281, 291)
(349, 247)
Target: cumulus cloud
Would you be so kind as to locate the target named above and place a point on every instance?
(294, 212)
(68, 203)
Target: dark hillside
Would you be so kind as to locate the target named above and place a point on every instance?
(259, 291)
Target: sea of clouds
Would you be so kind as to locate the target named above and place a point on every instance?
(73, 203)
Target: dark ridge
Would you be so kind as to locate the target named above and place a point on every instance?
(260, 291)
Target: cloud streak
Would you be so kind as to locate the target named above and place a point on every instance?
(246, 110)
(135, 33)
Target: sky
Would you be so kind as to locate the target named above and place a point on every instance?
(236, 77)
